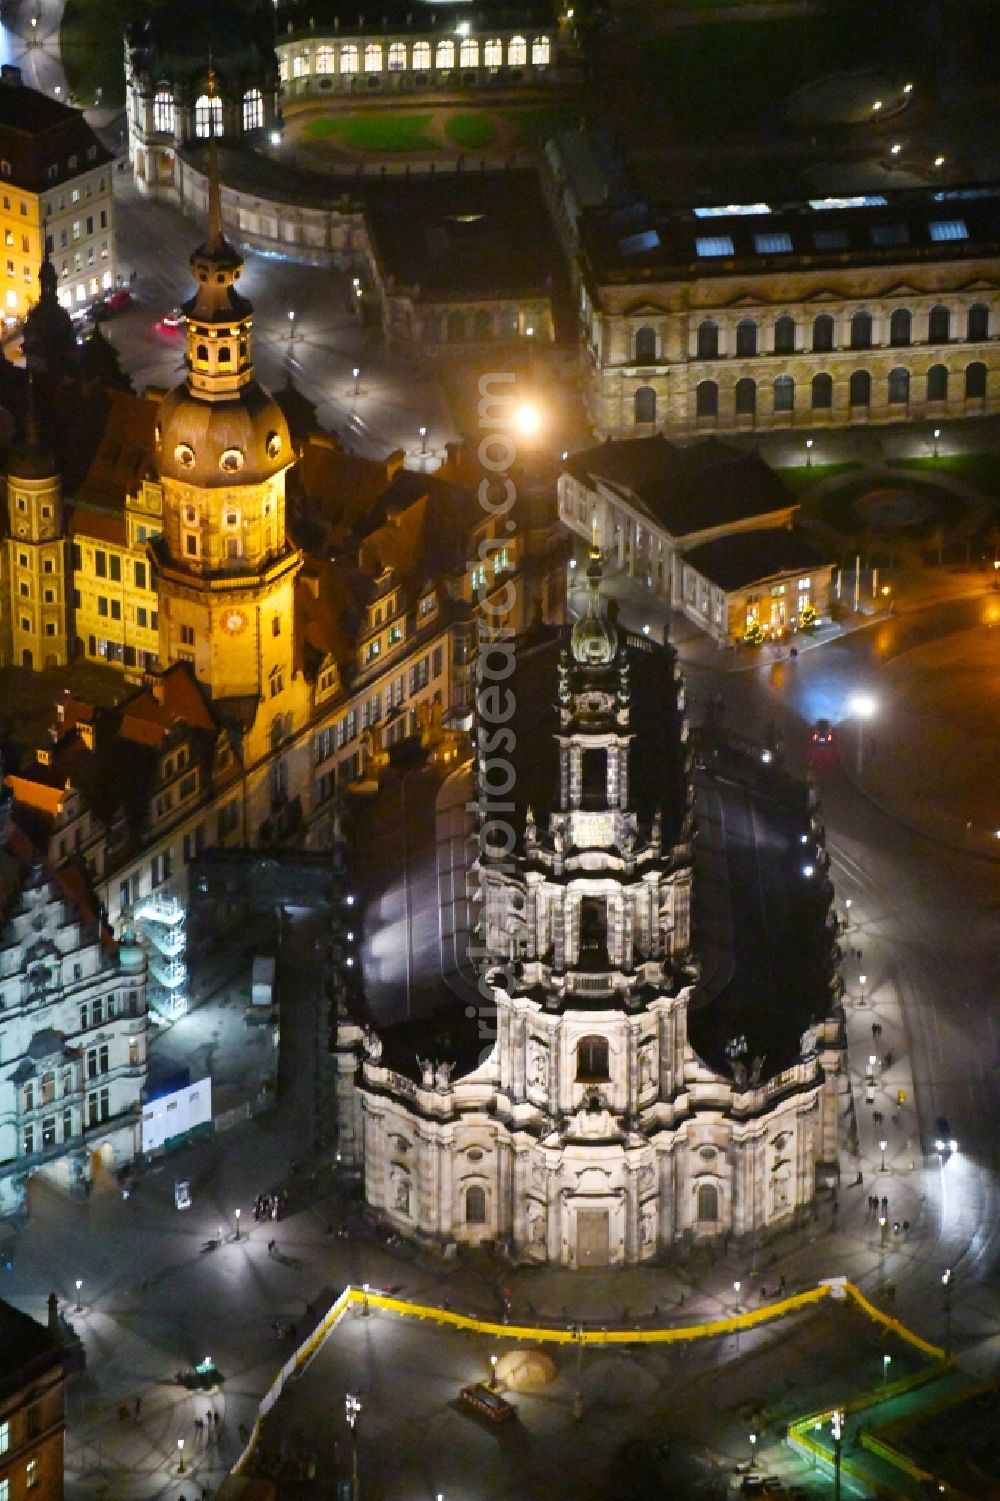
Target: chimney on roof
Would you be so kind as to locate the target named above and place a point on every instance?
(10, 74)
(53, 1313)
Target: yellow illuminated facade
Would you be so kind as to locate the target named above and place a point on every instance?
(36, 557)
(21, 232)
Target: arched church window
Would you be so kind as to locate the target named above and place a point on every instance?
(517, 52)
(445, 55)
(541, 51)
(349, 58)
(475, 1205)
(592, 1059)
(708, 1201)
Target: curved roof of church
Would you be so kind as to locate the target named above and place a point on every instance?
(251, 422)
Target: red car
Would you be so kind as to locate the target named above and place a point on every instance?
(120, 298)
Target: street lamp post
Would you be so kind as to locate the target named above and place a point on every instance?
(493, 1372)
(809, 453)
(364, 1298)
(236, 1215)
(838, 1438)
(180, 1456)
(79, 1285)
(886, 1363)
(937, 438)
(946, 1286)
(423, 440)
(753, 1450)
(352, 1411)
(736, 1294)
(882, 1146)
(862, 707)
(291, 327)
(357, 376)
(862, 981)
(847, 913)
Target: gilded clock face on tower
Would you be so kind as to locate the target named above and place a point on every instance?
(234, 621)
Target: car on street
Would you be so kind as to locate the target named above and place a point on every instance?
(117, 299)
(943, 1139)
(173, 320)
(822, 733)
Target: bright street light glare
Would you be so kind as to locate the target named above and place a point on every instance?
(527, 419)
(863, 705)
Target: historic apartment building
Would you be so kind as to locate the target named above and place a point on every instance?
(591, 1104)
(32, 1406)
(832, 312)
(55, 198)
(72, 1025)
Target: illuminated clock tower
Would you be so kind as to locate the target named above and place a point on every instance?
(225, 569)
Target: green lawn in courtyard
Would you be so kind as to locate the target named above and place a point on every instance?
(91, 42)
(471, 131)
(533, 127)
(979, 470)
(375, 131)
(801, 477)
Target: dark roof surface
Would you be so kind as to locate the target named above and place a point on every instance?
(405, 15)
(467, 234)
(644, 242)
(28, 1349)
(44, 141)
(689, 489)
(746, 557)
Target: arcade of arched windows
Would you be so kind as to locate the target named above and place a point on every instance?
(196, 118)
(958, 388)
(333, 63)
(719, 336)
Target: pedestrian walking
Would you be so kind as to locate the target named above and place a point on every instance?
(217, 1421)
(887, 1061)
(197, 1428)
(885, 1204)
(137, 1407)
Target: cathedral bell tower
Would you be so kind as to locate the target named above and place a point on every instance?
(224, 566)
(36, 550)
(589, 924)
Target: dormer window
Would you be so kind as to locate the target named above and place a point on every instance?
(231, 460)
(395, 635)
(372, 650)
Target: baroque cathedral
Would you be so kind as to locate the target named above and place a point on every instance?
(625, 1099)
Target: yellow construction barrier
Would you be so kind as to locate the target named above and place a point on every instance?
(572, 1334)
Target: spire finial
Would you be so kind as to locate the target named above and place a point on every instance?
(214, 238)
(32, 427)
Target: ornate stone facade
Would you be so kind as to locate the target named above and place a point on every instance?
(823, 314)
(72, 1034)
(593, 1132)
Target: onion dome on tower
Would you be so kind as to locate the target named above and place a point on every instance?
(220, 426)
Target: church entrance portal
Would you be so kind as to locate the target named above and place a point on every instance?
(592, 1237)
